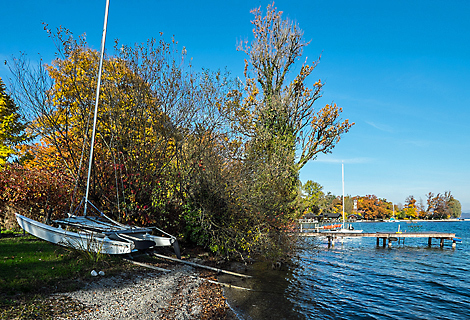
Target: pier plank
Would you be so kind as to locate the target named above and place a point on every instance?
(385, 236)
(429, 234)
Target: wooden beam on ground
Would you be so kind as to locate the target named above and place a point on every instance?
(201, 266)
(147, 265)
(228, 285)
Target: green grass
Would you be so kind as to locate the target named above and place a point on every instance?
(27, 261)
(27, 264)
(31, 269)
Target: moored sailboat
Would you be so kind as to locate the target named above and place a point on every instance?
(349, 228)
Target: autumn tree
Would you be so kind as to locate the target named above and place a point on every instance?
(62, 114)
(374, 208)
(276, 126)
(12, 125)
(421, 207)
(274, 117)
(443, 206)
(410, 209)
(149, 106)
(282, 107)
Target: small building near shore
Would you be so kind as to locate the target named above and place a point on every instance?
(329, 216)
(354, 217)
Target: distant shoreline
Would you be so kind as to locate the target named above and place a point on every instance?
(416, 220)
(387, 221)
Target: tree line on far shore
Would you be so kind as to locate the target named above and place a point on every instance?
(318, 204)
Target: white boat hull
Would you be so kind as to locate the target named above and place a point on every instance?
(347, 231)
(81, 241)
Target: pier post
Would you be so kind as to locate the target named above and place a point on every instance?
(384, 236)
(331, 241)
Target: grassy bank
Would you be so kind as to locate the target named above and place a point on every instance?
(32, 269)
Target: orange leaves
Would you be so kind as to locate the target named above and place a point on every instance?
(326, 130)
(371, 207)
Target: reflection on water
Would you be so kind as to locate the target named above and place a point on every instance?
(358, 280)
(267, 300)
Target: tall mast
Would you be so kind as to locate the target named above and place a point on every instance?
(342, 174)
(103, 39)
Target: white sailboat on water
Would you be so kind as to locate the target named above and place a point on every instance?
(97, 233)
(349, 228)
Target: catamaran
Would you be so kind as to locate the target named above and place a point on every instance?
(99, 233)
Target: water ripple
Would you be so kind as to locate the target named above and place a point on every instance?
(357, 280)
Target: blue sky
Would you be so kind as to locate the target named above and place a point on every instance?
(399, 69)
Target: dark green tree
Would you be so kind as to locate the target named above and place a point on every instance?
(313, 197)
(454, 207)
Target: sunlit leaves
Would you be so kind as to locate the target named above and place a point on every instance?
(11, 126)
(371, 207)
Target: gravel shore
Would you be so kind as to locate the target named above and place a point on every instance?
(182, 293)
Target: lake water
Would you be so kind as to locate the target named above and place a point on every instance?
(358, 280)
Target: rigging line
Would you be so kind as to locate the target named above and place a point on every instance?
(116, 178)
(77, 177)
(114, 166)
(105, 216)
(104, 224)
(122, 164)
(78, 207)
(113, 151)
(95, 117)
(80, 165)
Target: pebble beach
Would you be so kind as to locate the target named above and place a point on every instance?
(182, 293)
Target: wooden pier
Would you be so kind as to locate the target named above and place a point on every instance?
(387, 237)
